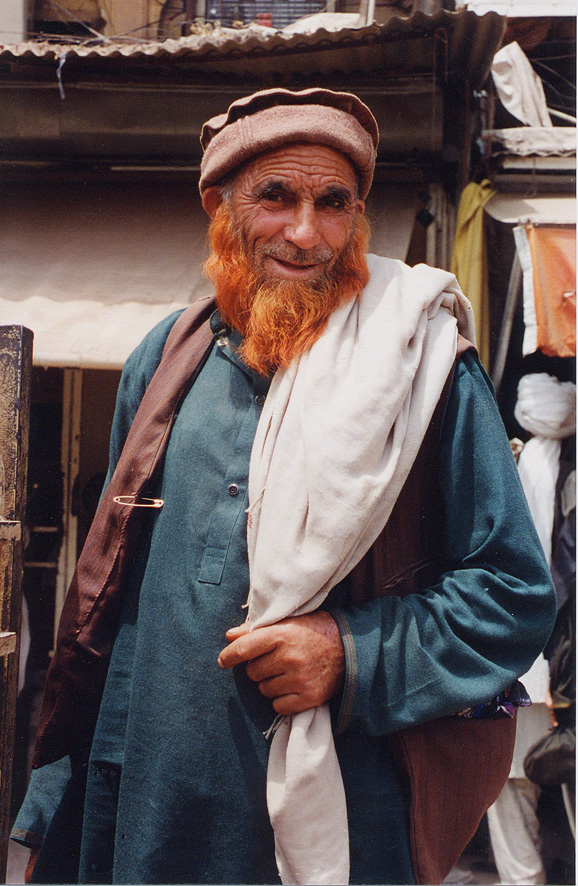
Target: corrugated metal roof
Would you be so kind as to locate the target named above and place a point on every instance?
(446, 43)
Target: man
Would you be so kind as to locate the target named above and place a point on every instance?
(321, 396)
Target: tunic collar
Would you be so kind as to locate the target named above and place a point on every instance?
(228, 341)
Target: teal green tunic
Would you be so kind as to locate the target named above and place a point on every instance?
(176, 778)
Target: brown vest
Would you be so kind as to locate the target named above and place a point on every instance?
(455, 767)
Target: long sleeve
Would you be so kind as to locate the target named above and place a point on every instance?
(483, 623)
(45, 791)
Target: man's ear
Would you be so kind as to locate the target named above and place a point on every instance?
(212, 199)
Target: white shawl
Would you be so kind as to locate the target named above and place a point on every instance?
(338, 435)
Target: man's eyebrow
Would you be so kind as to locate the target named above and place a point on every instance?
(273, 184)
(338, 192)
(281, 186)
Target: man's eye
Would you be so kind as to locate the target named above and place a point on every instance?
(273, 197)
(334, 203)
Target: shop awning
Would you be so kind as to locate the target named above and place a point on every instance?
(515, 209)
(92, 268)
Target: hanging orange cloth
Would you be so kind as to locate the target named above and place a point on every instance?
(548, 259)
(553, 253)
(469, 261)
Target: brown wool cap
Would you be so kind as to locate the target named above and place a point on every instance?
(273, 118)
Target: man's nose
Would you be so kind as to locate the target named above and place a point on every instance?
(303, 228)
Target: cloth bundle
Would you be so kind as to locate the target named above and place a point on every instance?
(552, 759)
(338, 435)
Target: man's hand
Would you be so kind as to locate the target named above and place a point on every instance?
(31, 863)
(550, 706)
(298, 662)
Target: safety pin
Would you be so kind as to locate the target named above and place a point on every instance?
(129, 501)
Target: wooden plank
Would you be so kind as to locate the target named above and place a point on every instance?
(7, 643)
(10, 529)
(15, 370)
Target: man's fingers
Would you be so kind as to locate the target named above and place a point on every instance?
(274, 687)
(289, 704)
(246, 647)
(238, 631)
(266, 667)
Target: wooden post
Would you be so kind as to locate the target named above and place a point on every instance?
(15, 369)
(69, 462)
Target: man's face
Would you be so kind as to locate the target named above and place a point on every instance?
(295, 210)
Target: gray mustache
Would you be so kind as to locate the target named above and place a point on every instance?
(298, 256)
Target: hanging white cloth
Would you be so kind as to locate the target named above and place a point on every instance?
(518, 86)
(338, 435)
(546, 408)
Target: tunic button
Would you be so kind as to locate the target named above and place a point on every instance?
(259, 399)
(233, 489)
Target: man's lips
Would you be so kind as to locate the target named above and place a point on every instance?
(296, 268)
(292, 264)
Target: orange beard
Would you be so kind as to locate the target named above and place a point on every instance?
(279, 319)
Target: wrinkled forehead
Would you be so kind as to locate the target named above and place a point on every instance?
(300, 166)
